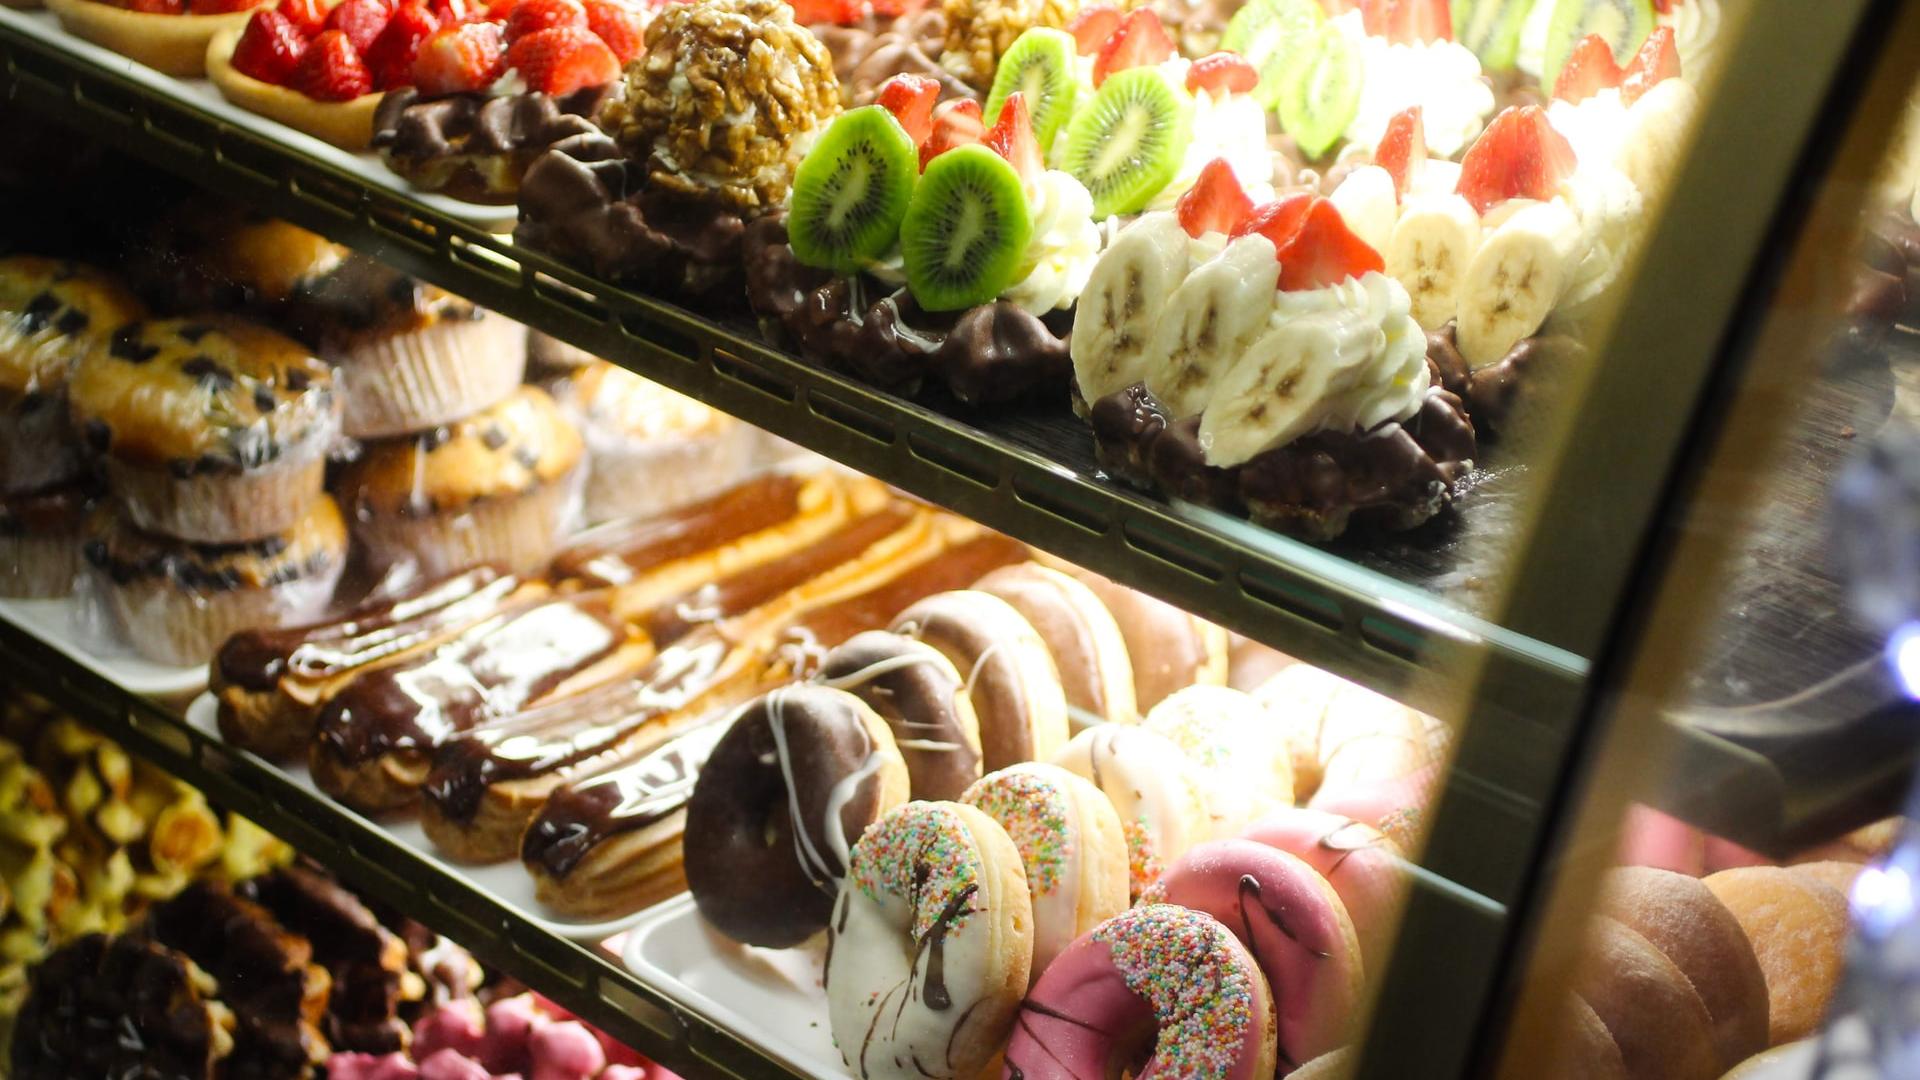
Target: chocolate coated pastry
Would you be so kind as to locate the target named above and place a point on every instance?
(477, 146)
(366, 960)
(988, 354)
(873, 50)
(1394, 477)
(923, 699)
(585, 203)
(118, 1006)
(1502, 391)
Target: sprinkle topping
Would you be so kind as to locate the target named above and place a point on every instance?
(1033, 810)
(1144, 865)
(1182, 963)
(923, 853)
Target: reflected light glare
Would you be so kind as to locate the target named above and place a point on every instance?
(1903, 650)
(1882, 895)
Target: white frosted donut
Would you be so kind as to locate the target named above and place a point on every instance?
(930, 944)
(1159, 795)
(1071, 844)
(1010, 677)
(1236, 746)
(1341, 735)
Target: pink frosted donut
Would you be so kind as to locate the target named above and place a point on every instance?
(1292, 922)
(1160, 980)
(1651, 838)
(1362, 865)
(1396, 805)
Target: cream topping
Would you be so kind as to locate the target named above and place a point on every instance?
(1443, 77)
(1231, 126)
(1063, 247)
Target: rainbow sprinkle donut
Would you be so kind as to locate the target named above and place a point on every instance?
(1157, 976)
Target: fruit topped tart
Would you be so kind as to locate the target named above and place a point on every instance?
(711, 126)
(169, 36)
(1255, 358)
(489, 97)
(1539, 36)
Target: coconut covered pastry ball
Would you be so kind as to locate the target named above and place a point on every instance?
(724, 101)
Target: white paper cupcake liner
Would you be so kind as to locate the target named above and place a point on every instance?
(425, 378)
(38, 448)
(221, 508)
(39, 567)
(170, 624)
(518, 532)
(637, 478)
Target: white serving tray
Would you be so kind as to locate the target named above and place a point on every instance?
(64, 624)
(201, 94)
(506, 882)
(770, 997)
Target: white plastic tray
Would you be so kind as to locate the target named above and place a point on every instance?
(506, 882)
(770, 997)
(62, 624)
(201, 94)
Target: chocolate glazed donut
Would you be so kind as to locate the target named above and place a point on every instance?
(915, 689)
(799, 776)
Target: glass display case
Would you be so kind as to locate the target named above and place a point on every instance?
(1574, 558)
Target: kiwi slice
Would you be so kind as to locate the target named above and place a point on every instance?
(966, 230)
(1039, 64)
(1623, 24)
(1271, 35)
(1492, 28)
(1323, 95)
(851, 190)
(1127, 143)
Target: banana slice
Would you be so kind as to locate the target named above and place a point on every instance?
(1277, 390)
(1368, 202)
(1208, 321)
(1516, 277)
(1658, 126)
(1432, 245)
(1115, 321)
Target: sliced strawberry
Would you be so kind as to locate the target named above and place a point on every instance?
(1141, 41)
(1665, 7)
(1278, 220)
(220, 7)
(331, 69)
(1589, 69)
(622, 26)
(459, 11)
(460, 57)
(156, 7)
(269, 48)
(360, 20)
(307, 16)
(1403, 149)
(1520, 155)
(533, 16)
(1408, 22)
(1215, 203)
(1093, 26)
(1657, 60)
(838, 12)
(391, 55)
(1222, 73)
(910, 99)
(955, 123)
(1323, 251)
(1012, 138)
(563, 59)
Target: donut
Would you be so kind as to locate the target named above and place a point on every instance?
(1159, 795)
(1683, 919)
(1798, 928)
(1364, 867)
(930, 934)
(1335, 1065)
(1171, 649)
(1169, 984)
(1010, 677)
(1236, 746)
(1293, 924)
(1070, 843)
(1651, 838)
(1249, 664)
(1088, 650)
(1584, 1049)
(1341, 735)
(1661, 1026)
(799, 775)
(1396, 806)
(916, 690)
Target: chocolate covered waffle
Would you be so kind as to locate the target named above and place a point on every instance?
(368, 964)
(478, 146)
(1497, 395)
(168, 1023)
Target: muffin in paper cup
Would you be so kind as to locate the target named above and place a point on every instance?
(650, 449)
(52, 312)
(212, 429)
(41, 534)
(499, 487)
(177, 602)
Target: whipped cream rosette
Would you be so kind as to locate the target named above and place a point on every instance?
(1406, 69)
(1255, 358)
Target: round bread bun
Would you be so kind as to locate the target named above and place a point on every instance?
(1798, 928)
(169, 44)
(1658, 1021)
(1684, 920)
(1585, 1050)
(346, 124)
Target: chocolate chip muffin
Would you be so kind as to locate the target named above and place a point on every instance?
(650, 449)
(213, 430)
(51, 313)
(497, 487)
(40, 537)
(204, 256)
(178, 601)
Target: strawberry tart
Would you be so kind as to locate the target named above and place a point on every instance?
(169, 36)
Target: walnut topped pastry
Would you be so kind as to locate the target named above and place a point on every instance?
(724, 99)
(979, 32)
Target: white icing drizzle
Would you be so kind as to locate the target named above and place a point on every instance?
(874, 671)
(803, 849)
(841, 795)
